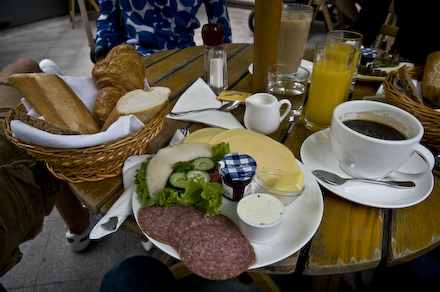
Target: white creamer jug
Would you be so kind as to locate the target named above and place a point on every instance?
(262, 112)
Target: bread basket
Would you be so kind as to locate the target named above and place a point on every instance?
(429, 117)
(94, 163)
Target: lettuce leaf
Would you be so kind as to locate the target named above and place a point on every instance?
(204, 195)
(219, 150)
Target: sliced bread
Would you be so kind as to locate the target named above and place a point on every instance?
(144, 104)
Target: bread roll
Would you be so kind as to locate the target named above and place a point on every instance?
(431, 79)
(106, 101)
(144, 104)
(52, 98)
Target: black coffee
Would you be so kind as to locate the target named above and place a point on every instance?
(375, 129)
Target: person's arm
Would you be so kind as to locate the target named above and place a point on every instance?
(217, 12)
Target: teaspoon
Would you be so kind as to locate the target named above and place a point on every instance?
(224, 108)
(334, 179)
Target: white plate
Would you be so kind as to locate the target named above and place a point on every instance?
(301, 222)
(305, 63)
(316, 153)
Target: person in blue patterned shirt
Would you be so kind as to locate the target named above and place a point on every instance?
(154, 25)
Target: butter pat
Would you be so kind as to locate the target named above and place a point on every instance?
(232, 95)
(292, 182)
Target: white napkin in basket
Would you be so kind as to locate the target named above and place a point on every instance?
(198, 96)
(124, 126)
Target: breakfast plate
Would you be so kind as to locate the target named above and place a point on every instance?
(301, 221)
(316, 153)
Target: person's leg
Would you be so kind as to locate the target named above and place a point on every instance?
(21, 65)
(140, 273)
(72, 211)
(75, 216)
(348, 8)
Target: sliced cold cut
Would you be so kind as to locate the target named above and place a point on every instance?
(193, 219)
(155, 221)
(216, 252)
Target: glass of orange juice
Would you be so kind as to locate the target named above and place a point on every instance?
(330, 83)
(351, 38)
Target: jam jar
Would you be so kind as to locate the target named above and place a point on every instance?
(236, 171)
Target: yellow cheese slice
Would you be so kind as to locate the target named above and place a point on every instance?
(268, 153)
(292, 182)
(202, 135)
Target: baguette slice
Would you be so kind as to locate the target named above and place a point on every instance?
(431, 78)
(144, 104)
(52, 98)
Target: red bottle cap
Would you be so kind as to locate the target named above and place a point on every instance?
(213, 34)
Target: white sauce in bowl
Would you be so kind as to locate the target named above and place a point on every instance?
(260, 209)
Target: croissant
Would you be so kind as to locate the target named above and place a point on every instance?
(121, 71)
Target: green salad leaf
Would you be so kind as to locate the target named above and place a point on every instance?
(220, 150)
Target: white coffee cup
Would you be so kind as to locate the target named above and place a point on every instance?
(363, 156)
(262, 112)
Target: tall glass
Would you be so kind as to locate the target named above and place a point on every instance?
(351, 38)
(294, 30)
(330, 83)
(289, 81)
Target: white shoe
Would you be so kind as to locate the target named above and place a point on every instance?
(147, 245)
(49, 66)
(79, 242)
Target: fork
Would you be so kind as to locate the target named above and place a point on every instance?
(185, 130)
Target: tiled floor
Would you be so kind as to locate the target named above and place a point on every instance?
(48, 264)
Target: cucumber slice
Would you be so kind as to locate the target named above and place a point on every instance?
(198, 174)
(203, 163)
(178, 179)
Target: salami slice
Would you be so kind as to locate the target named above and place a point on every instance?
(216, 252)
(155, 221)
(193, 219)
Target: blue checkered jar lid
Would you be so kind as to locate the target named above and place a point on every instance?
(237, 166)
(369, 53)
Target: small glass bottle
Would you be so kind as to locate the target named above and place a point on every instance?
(216, 73)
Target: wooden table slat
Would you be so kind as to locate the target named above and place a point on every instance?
(353, 239)
(415, 230)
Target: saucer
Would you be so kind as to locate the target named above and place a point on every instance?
(316, 153)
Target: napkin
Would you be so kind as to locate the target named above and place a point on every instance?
(124, 126)
(86, 90)
(198, 96)
(122, 208)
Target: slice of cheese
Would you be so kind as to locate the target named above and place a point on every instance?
(292, 182)
(202, 135)
(268, 153)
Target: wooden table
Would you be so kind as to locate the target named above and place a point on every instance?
(351, 237)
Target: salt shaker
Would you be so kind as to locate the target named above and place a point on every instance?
(216, 73)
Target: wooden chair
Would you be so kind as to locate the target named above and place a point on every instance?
(92, 12)
(87, 16)
(324, 6)
(388, 30)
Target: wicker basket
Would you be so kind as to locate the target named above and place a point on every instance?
(429, 117)
(94, 163)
